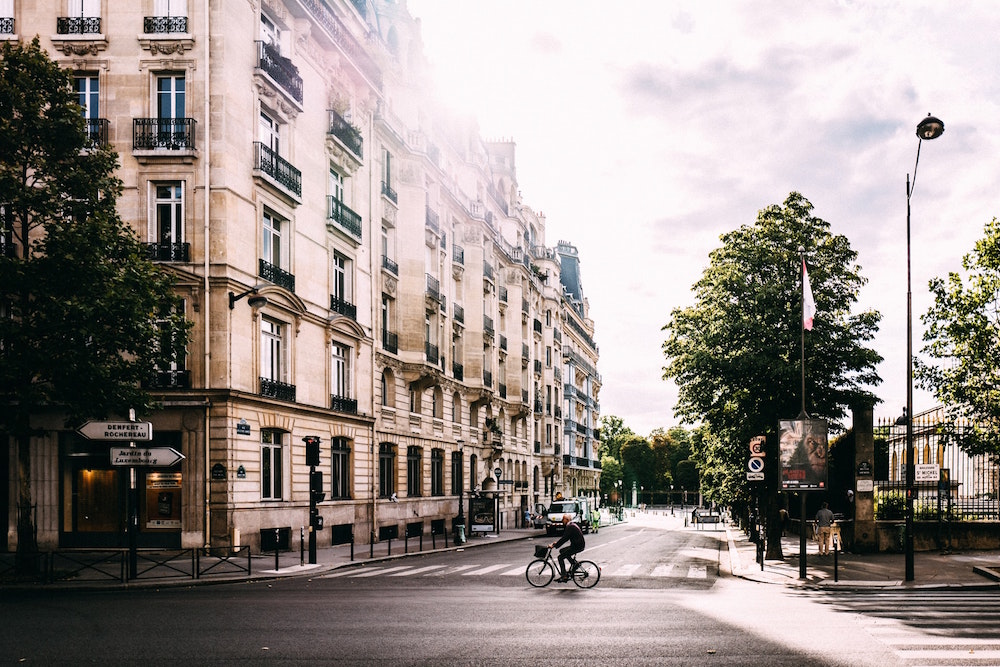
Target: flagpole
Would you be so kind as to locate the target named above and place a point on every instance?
(802, 330)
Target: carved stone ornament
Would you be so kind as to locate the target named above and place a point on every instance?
(390, 286)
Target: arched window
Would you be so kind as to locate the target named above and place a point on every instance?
(388, 389)
(456, 408)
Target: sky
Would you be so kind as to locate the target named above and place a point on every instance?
(645, 129)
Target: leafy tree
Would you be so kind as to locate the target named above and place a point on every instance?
(611, 474)
(963, 335)
(735, 354)
(84, 316)
(614, 434)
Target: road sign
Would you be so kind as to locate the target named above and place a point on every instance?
(755, 464)
(757, 445)
(117, 431)
(147, 457)
(926, 472)
(755, 476)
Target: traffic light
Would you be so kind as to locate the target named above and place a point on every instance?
(316, 494)
(315, 519)
(312, 449)
(911, 494)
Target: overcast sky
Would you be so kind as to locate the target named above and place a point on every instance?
(647, 128)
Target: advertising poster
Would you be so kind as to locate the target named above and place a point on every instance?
(803, 454)
(483, 514)
(163, 501)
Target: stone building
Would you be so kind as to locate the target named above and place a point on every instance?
(358, 265)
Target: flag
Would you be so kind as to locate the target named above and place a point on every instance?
(808, 305)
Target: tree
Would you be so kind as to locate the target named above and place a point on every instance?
(735, 354)
(963, 335)
(86, 318)
(614, 434)
(638, 463)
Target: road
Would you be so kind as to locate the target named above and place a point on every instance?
(661, 601)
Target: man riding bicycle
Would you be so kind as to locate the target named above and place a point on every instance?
(574, 535)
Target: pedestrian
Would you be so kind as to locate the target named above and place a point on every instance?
(824, 524)
(783, 520)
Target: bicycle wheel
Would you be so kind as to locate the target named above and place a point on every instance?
(539, 573)
(586, 574)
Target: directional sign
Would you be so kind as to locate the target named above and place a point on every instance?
(147, 457)
(755, 465)
(117, 431)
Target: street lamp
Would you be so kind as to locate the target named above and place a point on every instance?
(461, 486)
(929, 128)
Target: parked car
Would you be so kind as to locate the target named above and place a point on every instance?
(579, 510)
(538, 516)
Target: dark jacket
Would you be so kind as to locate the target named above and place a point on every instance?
(574, 535)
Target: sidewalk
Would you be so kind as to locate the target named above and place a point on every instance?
(931, 569)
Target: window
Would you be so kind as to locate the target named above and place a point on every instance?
(388, 389)
(387, 168)
(271, 464)
(170, 96)
(270, 133)
(87, 91)
(414, 462)
(169, 207)
(340, 471)
(272, 350)
(457, 481)
(269, 33)
(174, 374)
(473, 462)
(169, 16)
(272, 249)
(342, 300)
(437, 472)
(170, 7)
(386, 470)
(6, 17)
(336, 186)
(341, 371)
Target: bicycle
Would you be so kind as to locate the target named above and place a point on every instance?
(541, 571)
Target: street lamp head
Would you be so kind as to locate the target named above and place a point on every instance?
(930, 128)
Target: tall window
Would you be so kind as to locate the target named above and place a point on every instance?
(166, 342)
(387, 181)
(337, 186)
(169, 206)
(169, 7)
(270, 464)
(414, 462)
(272, 350)
(170, 96)
(341, 279)
(473, 462)
(87, 91)
(340, 471)
(270, 133)
(272, 249)
(341, 371)
(6, 17)
(269, 33)
(386, 470)
(437, 472)
(457, 473)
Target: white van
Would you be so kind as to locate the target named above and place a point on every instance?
(579, 510)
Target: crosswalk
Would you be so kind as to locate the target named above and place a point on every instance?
(931, 628)
(689, 570)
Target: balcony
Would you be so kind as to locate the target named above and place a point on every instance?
(278, 168)
(348, 135)
(488, 325)
(432, 354)
(458, 371)
(156, 134)
(343, 404)
(343, 307)
(458, 254)
(160, 25)
(433, 292)
(389, 193)
(168, 252)
(78, 25)
(280, 69)
(538, 367)
(390, 341)
(344, 217)
(178, 379)
(503, 342)
(488, 379)
(97, 130)
(390, 266)
(459, 313)
(503, 390)
(6, 25)
(276, 275)
(279, 390)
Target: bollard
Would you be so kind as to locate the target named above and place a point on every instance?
(302, 548)
(276, 549)
(835, 549)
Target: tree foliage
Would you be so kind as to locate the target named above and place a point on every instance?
(735, 354)
(963, 336)
(85, 316)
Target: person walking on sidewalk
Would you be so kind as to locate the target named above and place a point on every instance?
(824, 522)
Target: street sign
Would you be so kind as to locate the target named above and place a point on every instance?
(147, 457)
(497, 472)
(755, 464)
(926, 472)
(757, 445)
(755, 476)
(117, 431)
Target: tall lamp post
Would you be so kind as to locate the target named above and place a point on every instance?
(929, 128)
(461, 486)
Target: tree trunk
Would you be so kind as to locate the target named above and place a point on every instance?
(769, 503)
(26, 558)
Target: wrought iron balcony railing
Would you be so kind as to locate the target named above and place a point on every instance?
(343, 307)
(390, 266)
(163, 133)
(458, 370)
(177, 379)
(390, 341)
(275, 389)
(389, 193)
(459, 313)
(168, 252)
(276, 275)
(97, 130)
(458, 254)
(6, 25)
(155, 25)
(347, 133)
(280, 68)
(343, 404)
(345, 218)
(277, 167)
(432, 353)
(78, 25)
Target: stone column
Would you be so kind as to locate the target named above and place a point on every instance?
(865, 538)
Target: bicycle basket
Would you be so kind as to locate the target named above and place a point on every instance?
(541, 551)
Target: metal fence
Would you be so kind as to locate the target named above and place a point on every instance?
(949, 483)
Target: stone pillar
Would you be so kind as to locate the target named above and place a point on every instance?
(865, 538)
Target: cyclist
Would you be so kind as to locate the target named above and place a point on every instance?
(572, 534)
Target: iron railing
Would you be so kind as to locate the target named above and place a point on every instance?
(98, 130)
(163, 133)
(168, 252)
(343, 404)
(276, 275)
(345, 308)
(78, 25)
(342, 214)
(280, 68)
(281, 170)
(275, 389)
(155, 25)
(347, 133)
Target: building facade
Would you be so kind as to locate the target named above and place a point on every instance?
(358, 265)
